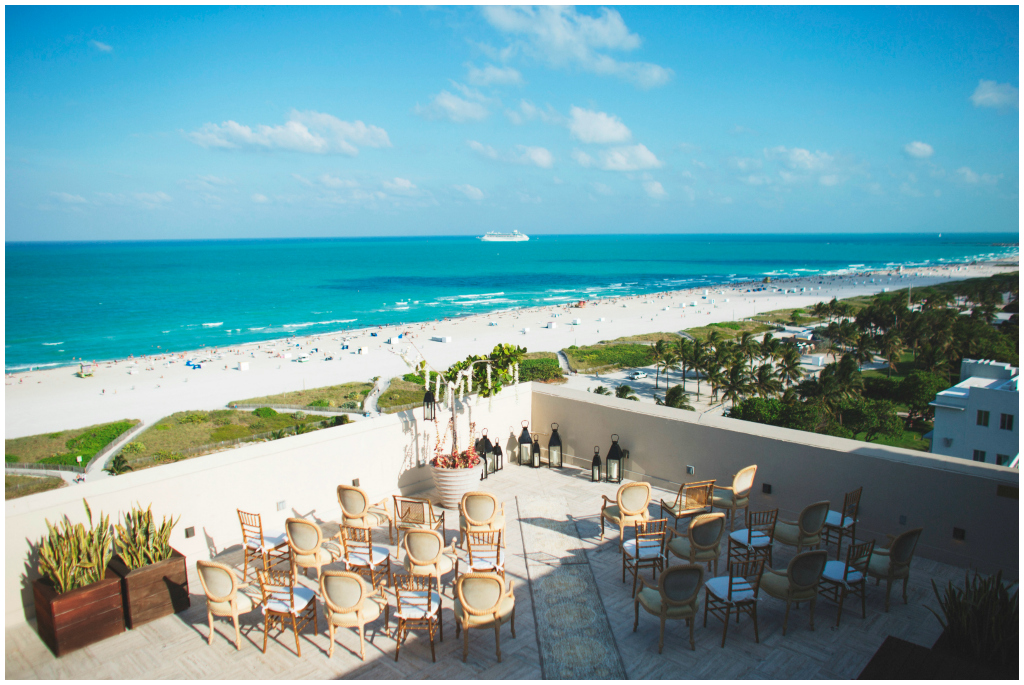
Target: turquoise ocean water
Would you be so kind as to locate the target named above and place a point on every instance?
(107, 300)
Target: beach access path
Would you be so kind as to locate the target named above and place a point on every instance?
(150, 388)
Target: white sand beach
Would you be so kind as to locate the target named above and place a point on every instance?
(149, 388)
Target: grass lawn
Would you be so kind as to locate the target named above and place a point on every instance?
(904, 366)
(401, 392)
(785, 316)
(610, 356)
(729, 329)
(64, 446)
(19, 486)
(911, 439)
(184, 430)
(346, 396)
(644, 337)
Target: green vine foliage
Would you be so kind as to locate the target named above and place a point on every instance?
(140, 542)
(501, 358)
(72, 556)
(981, 620)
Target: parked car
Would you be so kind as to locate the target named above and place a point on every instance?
(637, 375)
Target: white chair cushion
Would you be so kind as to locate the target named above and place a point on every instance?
(483, 561)
(719, 587)
(757, 538)
(271, 539)
(833, 518)
(834, 572)
(380, 554)
(302, 595)
(648, 550)
(413, 605)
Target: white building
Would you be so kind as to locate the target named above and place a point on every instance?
(977, 418)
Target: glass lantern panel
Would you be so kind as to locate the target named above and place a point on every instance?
(555, 456)
(613, 470)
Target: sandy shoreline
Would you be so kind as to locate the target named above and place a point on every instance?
(151, 387)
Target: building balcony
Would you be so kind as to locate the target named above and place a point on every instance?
(574, 615)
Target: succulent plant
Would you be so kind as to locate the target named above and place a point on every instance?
(980, 620)
(71, 556)
(140, 542)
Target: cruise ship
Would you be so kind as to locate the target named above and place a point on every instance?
(513, 237)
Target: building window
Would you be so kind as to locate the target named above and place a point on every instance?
(1006, 422)
(1003, 459)
(979, 455)
(983, 418)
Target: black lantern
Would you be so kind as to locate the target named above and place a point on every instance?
(535, 452)
(429, 405)
(485, 450)
(595, 466)
(525, 445)
(554, 448)
(613, 467)
(499, 458)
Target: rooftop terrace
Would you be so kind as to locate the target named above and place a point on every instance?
(574, 615)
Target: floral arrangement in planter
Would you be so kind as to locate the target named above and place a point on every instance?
(465, 459)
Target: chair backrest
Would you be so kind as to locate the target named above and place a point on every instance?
(304, 537)
(651, 534)
(901, 551)
(812, 518)
(633, 498)
(218, 580)
(276, 585)
(851, 503)
(480, 593)
(805, 569)
(483, 544)
(706, 530)
(413, 510)
(749, 571)
(743, 481)
(695, 495)
(679, 585)
(478, 507)
(342, 591)
(857, 557)
(414, 592)
(423, 547)
(252, 528)
(762, 522)
(357, 540)
(353, 501)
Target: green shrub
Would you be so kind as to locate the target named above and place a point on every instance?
(163, 427)
(299, 415)
(193, 417)
(342, 420)
(320, 403)
(10, 459)
(72, 556)
(610, 356)
(118, 465)
(265, 412)
(140, 542)
(539, 370)
(134, 448)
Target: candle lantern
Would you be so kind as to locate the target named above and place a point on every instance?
(499, 457)
(595, 466)
(613, 464)
(429, 405)
(555, 448)
(535, 452)
(486, 452)
(525, 445)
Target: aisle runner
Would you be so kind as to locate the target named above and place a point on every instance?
(575, 639)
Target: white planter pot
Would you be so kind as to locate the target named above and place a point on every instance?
(452, 484)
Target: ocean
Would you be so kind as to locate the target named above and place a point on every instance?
(106, 300)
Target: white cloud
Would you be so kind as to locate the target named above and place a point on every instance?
(329, 181)
(589, 126)
(452, 107)
(69, 199)
(910, 190)
(563, 37)
(260, 199)
(528, 199)
(972, 177)
(523, 154)
(491, 75)
(528, 112)
(152, 200)
(829, 180)
(756, 180)
(800, 159)
(918, 150)
(472, 192)
(400, 185)
(102, 47)
(602, 189)
(654, 189)
(992, 94)
(582, 158)
(745, 163)
(628, 158)
(310, 132)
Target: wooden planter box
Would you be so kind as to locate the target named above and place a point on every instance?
(154, 591)
(81, 617)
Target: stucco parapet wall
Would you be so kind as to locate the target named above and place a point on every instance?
(1000, 474)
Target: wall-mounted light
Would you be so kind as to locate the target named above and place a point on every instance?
(959, 534)
(766, 488)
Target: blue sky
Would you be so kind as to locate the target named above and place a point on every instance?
(146, 123)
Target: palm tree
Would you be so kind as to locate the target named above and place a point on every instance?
(624, 392)
(601, 390)
(891, 347)
(771, 347)
(676, 398)
(118, 465)
(699, 354)
(684, 353)
(766, 380)
(660, 348)
(864, 349)
(666, 361)
(790, 370)
(749, 347)
(736, 383)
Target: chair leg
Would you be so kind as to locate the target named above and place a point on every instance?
(725, 627)
(398, 638)
(295, 629)
(362, 642)
(266, 629)
(330, 635)
(602, 524)
(238, 633)
(839, 543)
(888, 590)
(757, 638)
(636, 613)
(430, 630)
(785, 619)
(693, 645)
(706, 602)
(497, 639)
(465, 644)
(905, 589)
(209, 615)
(842, 596)
(863, 599)
(661, 636)
(814, 603)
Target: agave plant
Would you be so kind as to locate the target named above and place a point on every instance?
(980, 620)
(140, 542)
(71, 556)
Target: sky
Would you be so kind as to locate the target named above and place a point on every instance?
(257, 122)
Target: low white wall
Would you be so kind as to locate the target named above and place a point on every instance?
(387, 454)
(931, 491)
